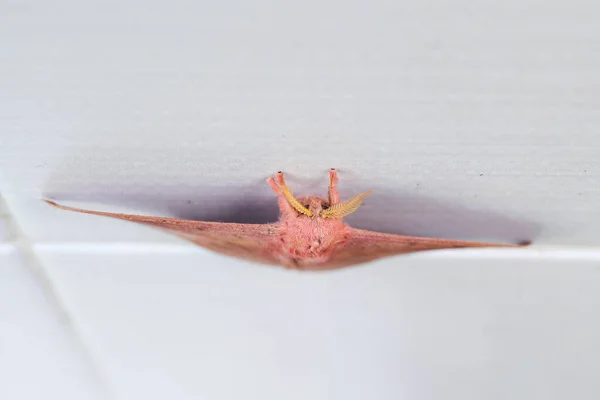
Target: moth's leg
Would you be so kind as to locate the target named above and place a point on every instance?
(274, 187)
(276, 183)
(284, 205)
(279, 178)
(334, 196)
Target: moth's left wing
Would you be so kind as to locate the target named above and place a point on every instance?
(252, 242)
(362, 246)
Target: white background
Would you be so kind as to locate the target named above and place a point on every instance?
(468, 120)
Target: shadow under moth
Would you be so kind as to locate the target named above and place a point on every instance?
(310, 233)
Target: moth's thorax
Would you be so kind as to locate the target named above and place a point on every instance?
(310, 238)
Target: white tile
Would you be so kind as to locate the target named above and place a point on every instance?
(203, 326)
(466, 121)
(40, 355)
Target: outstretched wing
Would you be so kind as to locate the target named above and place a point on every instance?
(362, 246)
(252, 242)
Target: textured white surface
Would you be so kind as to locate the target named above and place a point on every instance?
(40, 354)
(222, 329)
(468, 120)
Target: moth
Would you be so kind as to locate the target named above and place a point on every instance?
(310, 233)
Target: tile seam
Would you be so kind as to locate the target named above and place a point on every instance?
(22, 245)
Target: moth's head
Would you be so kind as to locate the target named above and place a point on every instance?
(314, 204)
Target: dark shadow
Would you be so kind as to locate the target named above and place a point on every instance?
(392, 211)
(208, 203)
(386, 210)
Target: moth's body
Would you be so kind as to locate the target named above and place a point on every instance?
(303, 240)
(310, 233)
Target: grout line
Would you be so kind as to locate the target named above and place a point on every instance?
(538, 252)
(22, 245)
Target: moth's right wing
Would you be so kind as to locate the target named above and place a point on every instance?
(253, 242)
(362, 246)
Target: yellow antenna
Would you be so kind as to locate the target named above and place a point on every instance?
(340, 210)
(294, 202)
